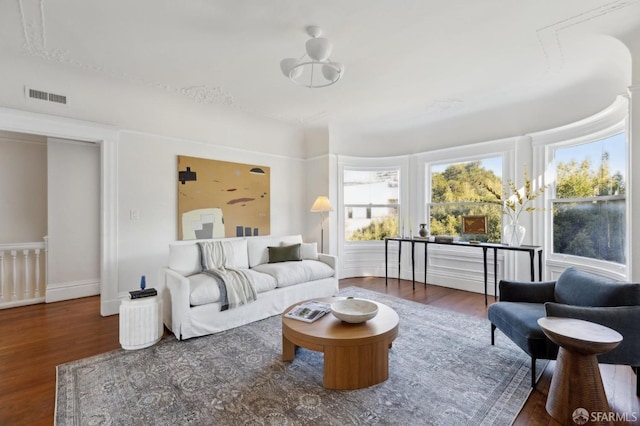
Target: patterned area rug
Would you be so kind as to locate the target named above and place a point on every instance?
(442, 371)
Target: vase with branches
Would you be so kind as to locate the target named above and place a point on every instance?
(515, 201)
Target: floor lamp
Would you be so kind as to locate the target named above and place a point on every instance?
(322, 205)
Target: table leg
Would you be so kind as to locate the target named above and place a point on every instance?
(540, 265)
(425, 264)
(484, 256)
(386, 263)
(413, 264)
(288, 350)
(532, 255)
(576, 383)
(399, 257)
(356, 367)
(495, 273)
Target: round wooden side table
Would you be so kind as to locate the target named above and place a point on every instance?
(576, 382)
(355, 355)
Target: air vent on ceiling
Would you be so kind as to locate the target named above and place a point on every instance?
(45, 96)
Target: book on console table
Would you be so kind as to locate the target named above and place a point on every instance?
(138, 294)
(446, 238)
(309, 311)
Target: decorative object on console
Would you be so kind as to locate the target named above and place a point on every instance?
(474, 224)
(224, 199)
(448, 239)
(514, 202)
(513, 234)
(305, 71)
(423, 230)
(322, 205)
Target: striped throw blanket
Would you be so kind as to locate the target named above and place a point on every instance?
(235, 287)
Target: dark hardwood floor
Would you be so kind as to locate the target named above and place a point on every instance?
(35, 339)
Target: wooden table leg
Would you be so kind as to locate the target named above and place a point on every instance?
(576, 383)
(356, 367)
(288, 350)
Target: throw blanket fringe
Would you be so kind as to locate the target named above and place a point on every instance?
(235, 287)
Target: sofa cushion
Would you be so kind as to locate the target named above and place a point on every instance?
(580, 288)
(184, 258)
(284, 253)
(258, 251)
(309, 251)
(227, 253)
(204, 288)
(291, 273)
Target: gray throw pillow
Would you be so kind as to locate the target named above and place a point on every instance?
(284, 253)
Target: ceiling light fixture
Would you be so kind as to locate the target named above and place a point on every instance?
(314, 69)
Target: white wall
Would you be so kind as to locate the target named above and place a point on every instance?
(23, 185)
(147, 182)
(74, 219)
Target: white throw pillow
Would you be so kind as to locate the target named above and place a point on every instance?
(184, 258)
(309, 251)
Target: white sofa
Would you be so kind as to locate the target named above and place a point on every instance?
(191, 299)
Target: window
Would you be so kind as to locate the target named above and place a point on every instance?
(459, 189)
(589, 209)
(371, 203)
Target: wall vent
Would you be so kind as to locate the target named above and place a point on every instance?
(45, 96)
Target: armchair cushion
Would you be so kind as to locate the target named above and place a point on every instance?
(530, 292)
(519, 322)
(576, 287)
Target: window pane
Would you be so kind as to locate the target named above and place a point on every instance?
(370, 223)
(447, 220)
(458, 189)
(592, 177)
(591, 169)
(594, 229)
(371, 187)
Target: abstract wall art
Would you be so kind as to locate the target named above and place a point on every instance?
(219, 199)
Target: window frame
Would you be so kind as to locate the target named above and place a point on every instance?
(467, 159)
(611, 121)
(370, 206)
(400, 163)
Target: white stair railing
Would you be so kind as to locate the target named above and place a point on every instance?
(22, 281)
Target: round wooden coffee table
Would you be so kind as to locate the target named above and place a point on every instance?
(576, 382)
(355, 355)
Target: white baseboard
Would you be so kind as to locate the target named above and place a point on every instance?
(72, 290)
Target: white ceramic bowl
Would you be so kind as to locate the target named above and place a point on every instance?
(354, 310)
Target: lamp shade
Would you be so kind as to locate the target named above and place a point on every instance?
(319, 49)
(287, 65)
(332, 71)
(322, 204)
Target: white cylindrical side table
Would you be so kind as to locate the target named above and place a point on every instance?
(140, 322)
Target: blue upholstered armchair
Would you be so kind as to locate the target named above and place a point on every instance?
(575, 294)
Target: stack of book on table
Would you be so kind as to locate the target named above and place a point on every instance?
(309, 311)
(138, 294)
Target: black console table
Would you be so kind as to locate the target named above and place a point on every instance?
(532, 250)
